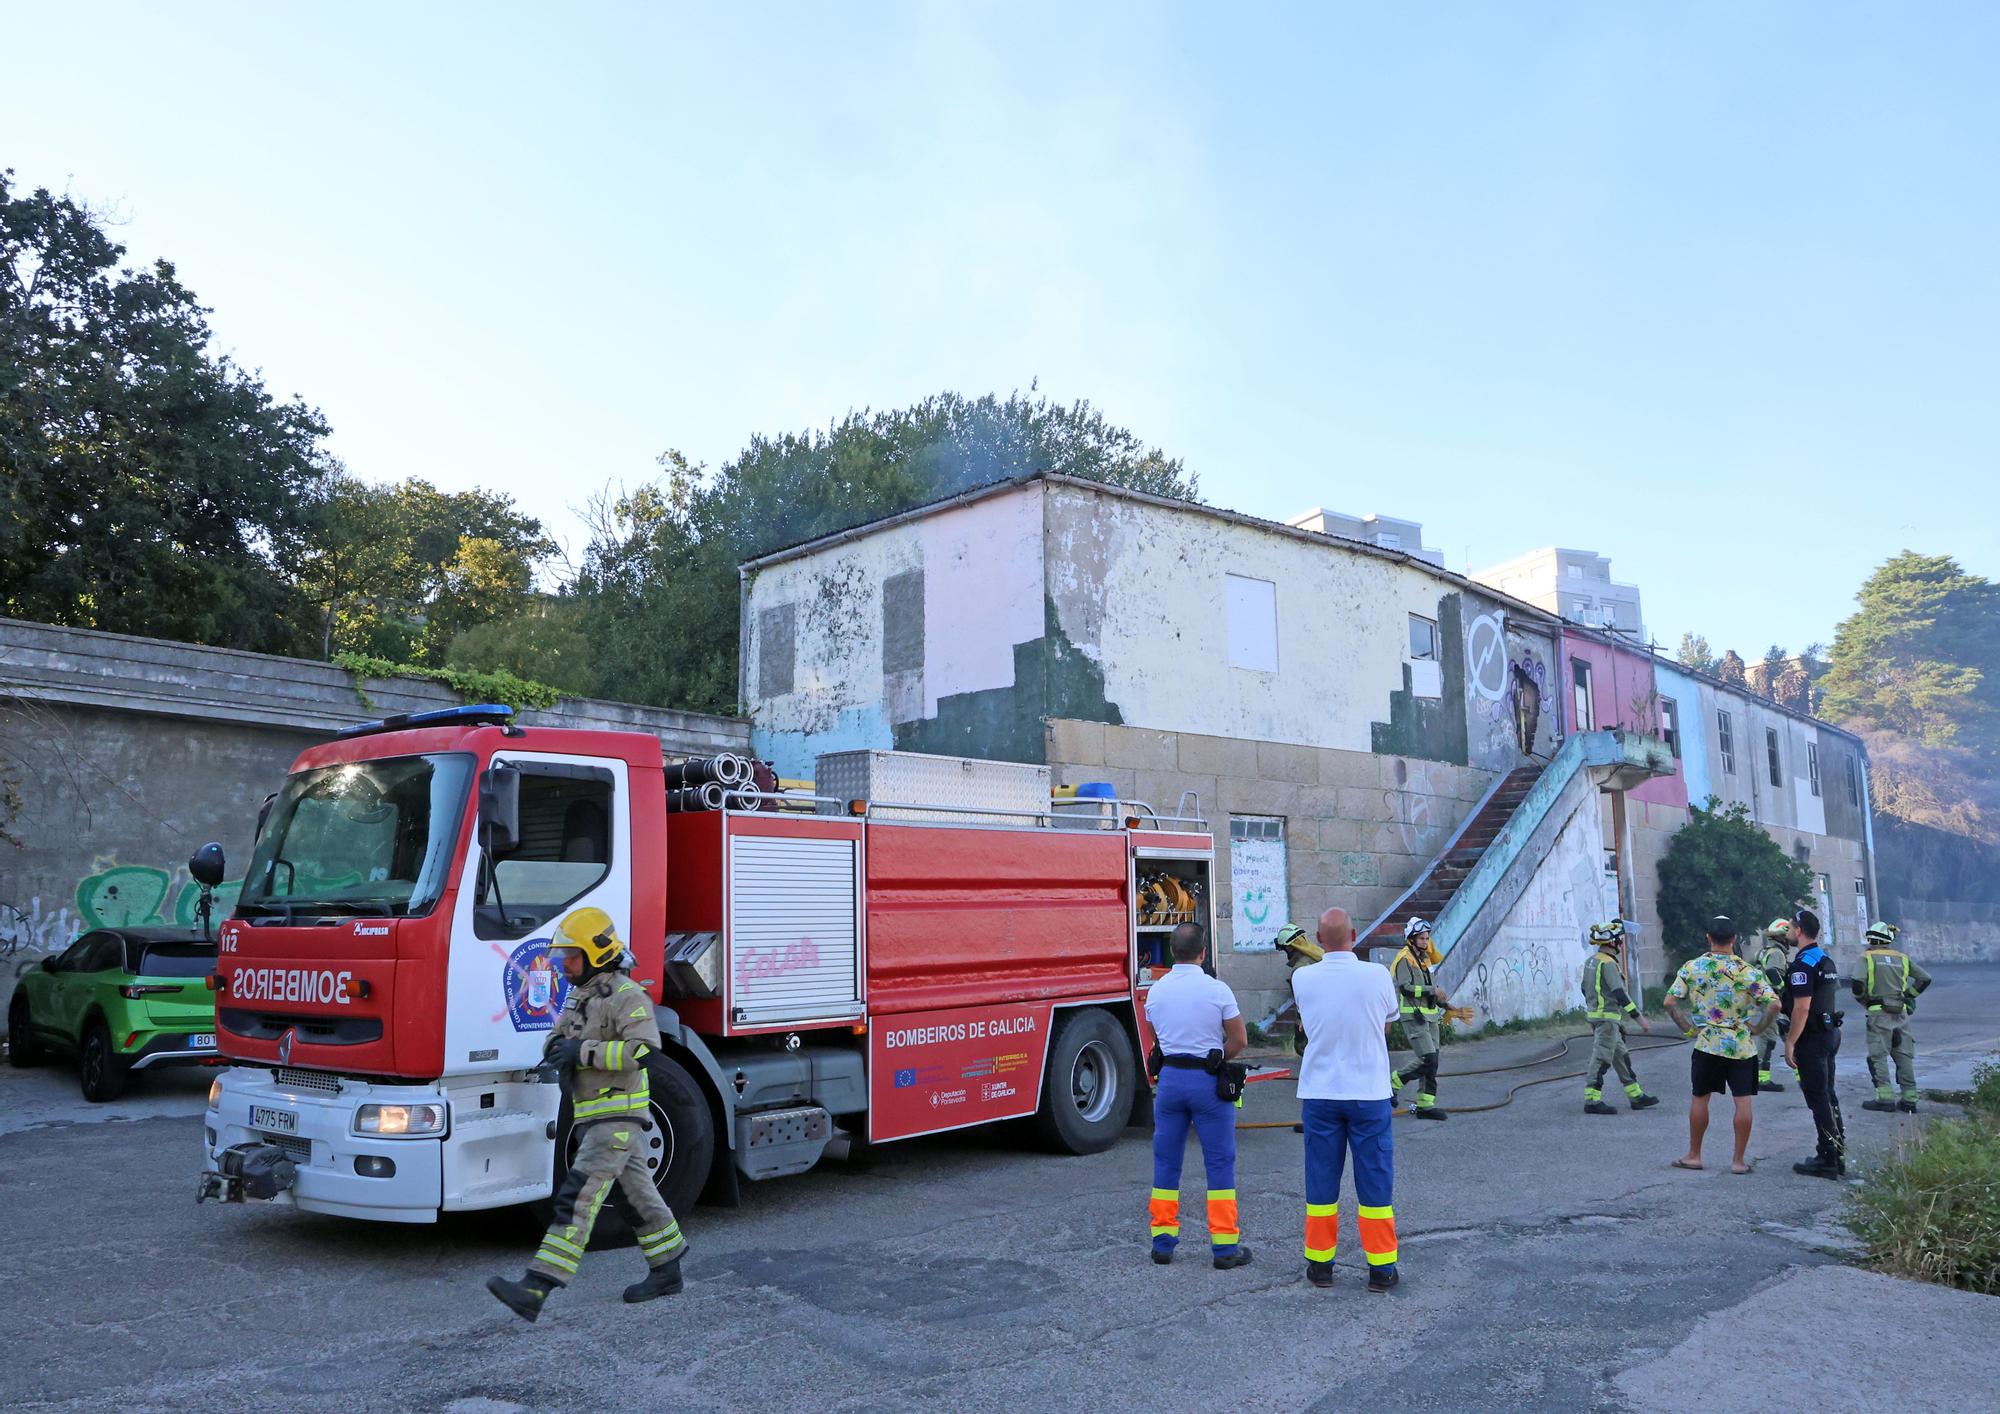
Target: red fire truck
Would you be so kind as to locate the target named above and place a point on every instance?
(825, 971)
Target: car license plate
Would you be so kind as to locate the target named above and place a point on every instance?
(278, 1121)
(202, 1041)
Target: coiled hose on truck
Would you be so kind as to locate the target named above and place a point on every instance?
(1561, 1052)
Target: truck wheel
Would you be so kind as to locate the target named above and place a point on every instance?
(23, 1049)
(101, 1069)
(1087, 1093)
(680, 1149)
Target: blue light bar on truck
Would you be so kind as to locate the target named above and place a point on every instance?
(488, 712)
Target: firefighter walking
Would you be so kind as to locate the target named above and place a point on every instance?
(1422, 1007)
(1888, 984)
(600, 1044)
(1606, 1004)
(1774, 957)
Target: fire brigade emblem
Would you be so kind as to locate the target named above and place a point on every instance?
(535, 988)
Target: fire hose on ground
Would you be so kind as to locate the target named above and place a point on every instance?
(1561, 1052)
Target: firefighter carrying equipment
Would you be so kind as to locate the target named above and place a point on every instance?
(1298, 945)
(591, 932)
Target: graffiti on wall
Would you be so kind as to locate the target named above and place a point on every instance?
(112, 895)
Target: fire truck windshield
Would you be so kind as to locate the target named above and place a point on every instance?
(367, 837)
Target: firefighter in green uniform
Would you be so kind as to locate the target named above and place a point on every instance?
(600, 1044)
(1301, 949)
(1606, 1004)
(1773, 959)
(1423, 1008)
(1887, 983)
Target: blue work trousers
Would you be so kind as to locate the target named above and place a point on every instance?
(1334, 1130)
(1187, 1099)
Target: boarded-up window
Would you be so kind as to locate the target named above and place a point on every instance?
(1252, 609)
(776, 649)
(903, 621)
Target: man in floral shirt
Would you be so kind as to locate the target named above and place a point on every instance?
(1719, 999)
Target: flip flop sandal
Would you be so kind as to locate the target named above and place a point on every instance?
(1694, 1168)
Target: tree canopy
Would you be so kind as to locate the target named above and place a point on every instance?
(660, 574)
(1722, 862)
(1921, 656)
(151, 486)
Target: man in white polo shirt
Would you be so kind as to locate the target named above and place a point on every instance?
(1196, 1026)
(1345, 1007)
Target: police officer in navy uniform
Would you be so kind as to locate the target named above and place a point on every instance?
(1812, 986)
(1197, 1027)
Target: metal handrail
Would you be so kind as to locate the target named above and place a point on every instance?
(1138, 808)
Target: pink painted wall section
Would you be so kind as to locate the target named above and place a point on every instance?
(1623, 693)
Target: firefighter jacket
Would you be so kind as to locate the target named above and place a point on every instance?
(1887, 981)
(613, 1017)
(1415, 991)
(1604, 996)
(1773, 961)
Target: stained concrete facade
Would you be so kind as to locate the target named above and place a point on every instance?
(1345, 690)
(129, 753)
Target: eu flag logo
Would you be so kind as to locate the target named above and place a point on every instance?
(905, 1079)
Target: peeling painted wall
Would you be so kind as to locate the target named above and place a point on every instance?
(927, 636)
(1138, 589)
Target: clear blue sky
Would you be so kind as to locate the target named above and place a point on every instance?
(1713, 289)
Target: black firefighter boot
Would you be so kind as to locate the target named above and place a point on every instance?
(660, 1281)
(524, 1297)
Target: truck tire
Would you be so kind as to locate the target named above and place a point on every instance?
(24, 1048)
(99, 1066)
(1087, 1090)
(682, 1142)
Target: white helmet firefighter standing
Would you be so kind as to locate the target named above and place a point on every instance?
(1423, 1007)
(600, 1045)
(1606, 1004)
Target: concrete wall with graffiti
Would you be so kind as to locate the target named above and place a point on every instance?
(961, 630)
(112, 804)
(1533, 966)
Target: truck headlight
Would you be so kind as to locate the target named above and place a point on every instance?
(215, 1092)
(399, 1119)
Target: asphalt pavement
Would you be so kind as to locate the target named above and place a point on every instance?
(1549, 1258)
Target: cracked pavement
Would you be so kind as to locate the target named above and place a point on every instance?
(1548, 1257)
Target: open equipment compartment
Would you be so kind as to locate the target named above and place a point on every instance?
(1171, 885)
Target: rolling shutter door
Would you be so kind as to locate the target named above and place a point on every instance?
(792, 934)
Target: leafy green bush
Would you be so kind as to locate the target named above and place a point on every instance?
(472, 686)
(1933, 1211)
(1723, 862)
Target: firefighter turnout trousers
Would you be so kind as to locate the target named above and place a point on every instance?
(1889, 1039)
(1608, 1050)
(1334, 1130)
(1422, 1032)
(610, 1161)
(1187, 1100)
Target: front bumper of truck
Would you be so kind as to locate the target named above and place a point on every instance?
(492, 1146)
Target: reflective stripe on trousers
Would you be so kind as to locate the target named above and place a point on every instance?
(1336, 1130)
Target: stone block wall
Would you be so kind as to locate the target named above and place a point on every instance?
(1359, 827)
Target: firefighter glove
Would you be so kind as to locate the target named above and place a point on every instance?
(565, 1053)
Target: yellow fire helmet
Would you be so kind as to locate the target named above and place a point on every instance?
(591, 932)
(1299, 943)
(1779, 930)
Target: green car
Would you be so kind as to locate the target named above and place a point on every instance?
(119, 1000)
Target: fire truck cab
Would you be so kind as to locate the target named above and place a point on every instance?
(827, 969)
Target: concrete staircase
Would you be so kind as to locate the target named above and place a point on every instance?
(1433, 889)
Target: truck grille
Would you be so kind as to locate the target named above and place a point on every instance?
(318, 1080)
(299, 1151)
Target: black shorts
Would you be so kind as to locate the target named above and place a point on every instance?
(1712, 1074)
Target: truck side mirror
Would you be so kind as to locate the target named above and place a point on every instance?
(206, 865)
(500, 808)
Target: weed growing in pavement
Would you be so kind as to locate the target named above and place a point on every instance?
(1933, 1211)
